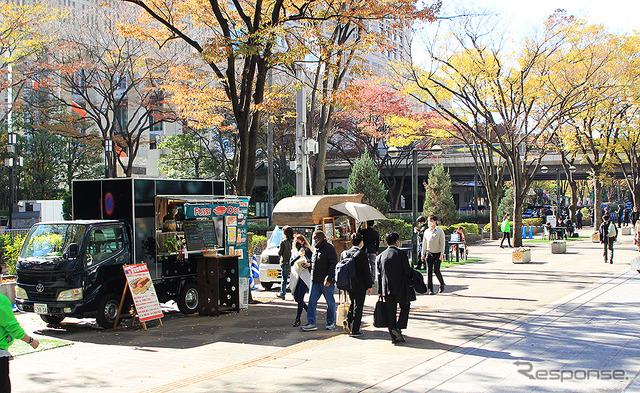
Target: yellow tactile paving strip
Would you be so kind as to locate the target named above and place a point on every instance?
(241, 366)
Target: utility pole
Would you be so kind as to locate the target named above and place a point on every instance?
(270, 158)
(301, 121)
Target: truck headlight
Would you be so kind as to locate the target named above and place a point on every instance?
(21, 293)
(264, 259)
(70, 295)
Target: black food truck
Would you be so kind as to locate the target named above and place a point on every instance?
(74, 268)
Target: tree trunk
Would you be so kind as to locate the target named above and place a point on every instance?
(321, 162)
(636, 196)
(574, 199)
(494, 220)
(597, 204)
(517, 218)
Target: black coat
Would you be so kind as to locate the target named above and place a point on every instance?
(323, 263)
(363, 280)
(371, 239)
(394, 273)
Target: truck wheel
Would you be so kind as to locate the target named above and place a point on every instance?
(52, 319)
(188, 299)
(108, 310)
(267, 285)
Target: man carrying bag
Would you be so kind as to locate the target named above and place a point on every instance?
(394, 273)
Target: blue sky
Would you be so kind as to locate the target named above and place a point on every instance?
(618, 15)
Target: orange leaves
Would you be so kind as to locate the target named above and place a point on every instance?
(383, 113)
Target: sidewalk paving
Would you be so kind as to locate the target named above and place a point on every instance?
(567, 312)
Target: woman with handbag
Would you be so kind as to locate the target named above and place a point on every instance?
(300, 273)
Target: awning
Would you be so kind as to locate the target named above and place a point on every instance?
(359, 211)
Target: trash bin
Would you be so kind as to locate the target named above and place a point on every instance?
(218, 284)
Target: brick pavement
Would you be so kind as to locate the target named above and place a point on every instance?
(562, 312)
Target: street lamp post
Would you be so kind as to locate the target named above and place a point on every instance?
(393, 152)
(12, 161)
(108, 149)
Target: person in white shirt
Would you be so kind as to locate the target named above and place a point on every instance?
(433, 244)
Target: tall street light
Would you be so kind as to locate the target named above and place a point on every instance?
(11, 161)
(393, 151)
(545, 169)
(108, 149)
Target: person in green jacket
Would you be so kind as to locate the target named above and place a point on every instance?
(505, 227)
(9, 330)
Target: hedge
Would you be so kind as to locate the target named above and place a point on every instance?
(467, 227)
(404, 229)
(260, 229)
(257, 244)
(526, 222)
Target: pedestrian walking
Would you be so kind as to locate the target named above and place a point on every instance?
(360, 284)
(300, 274)
(371, 239)
(608, 234)
(579, 219)
(635, 215)
(323, 266)
(620, 215)
(505, 227)
(394, 272)
(433, 245)
(10, 330)
(420, 229)
(284, 254)
(636, 234)
(627, 217)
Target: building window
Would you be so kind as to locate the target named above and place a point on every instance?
(121, 116)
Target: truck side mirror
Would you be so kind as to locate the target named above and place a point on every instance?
(72, 251)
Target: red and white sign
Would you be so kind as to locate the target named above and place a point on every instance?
(143, 292)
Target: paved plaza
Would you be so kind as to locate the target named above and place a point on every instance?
(565, 322)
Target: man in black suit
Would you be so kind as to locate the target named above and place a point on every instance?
(394, 272)
(359, 285)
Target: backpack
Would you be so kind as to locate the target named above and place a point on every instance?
(345, 273)
(614, 233)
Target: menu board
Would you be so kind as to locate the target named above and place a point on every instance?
(200, 234)
(143, 292)
(329, 228)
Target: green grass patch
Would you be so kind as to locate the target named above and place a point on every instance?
(447, 263)
(19, 347)
(571, 239)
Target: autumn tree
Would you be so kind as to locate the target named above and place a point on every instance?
(22, 34)
(238, 42)
(112, 80)
(519, 103)
(591, 130)
(338, 47)
(627, 150)
(377, 118)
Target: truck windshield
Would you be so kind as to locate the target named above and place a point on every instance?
(49, 241)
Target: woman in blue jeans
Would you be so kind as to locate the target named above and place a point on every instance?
(300, 273)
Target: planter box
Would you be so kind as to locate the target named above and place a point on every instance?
(558, 247)
(473, 238)
(521, 256)
(8, 289)
(625, 231)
